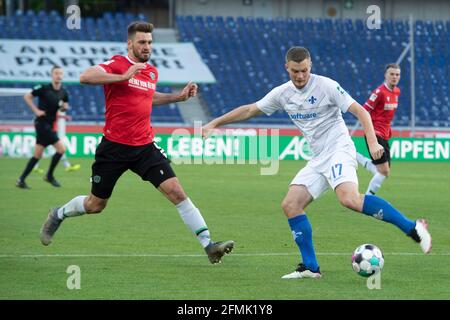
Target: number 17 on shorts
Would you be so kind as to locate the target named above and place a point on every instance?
(342, 172)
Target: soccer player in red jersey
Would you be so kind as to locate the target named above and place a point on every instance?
(382, 105)
(127, 143)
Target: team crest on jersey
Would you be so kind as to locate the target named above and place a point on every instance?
(152, 75)
(96, 179)
(312, 100)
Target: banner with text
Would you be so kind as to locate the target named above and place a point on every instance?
(183, 148)
(31, 60)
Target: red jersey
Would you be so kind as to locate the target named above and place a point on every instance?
(381, 105)
(129, 103)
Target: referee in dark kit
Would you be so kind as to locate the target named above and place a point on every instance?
(52, 97)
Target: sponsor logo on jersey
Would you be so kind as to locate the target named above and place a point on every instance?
(373, 97)
(390, 106)
(303, 116)
(342, 91)
(143, 85)
(152, 75)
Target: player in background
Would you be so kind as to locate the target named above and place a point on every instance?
(61, 118)
(315, 105)
(52, 97)
(127, 143)
(381, 105)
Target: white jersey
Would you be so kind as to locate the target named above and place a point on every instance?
(316, 110)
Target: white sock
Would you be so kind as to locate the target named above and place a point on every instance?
(73, 208)
(194, 220)
(366, 163)
(65, 161)
(375, 183)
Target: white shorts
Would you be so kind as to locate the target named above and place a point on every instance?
(340, 167)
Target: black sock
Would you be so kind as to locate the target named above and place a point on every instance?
(413, 234)
(55, 160)
(30, 165)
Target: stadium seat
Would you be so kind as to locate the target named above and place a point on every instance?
(246, 56)
(252, 50)
(87, 102)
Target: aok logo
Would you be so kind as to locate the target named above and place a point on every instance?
(305, 116)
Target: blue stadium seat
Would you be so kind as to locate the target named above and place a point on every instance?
(246, 56)
(252, 49)
(87, 102)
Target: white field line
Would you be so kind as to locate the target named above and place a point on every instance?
(113, 255)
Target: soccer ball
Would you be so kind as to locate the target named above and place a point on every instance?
(367, 260)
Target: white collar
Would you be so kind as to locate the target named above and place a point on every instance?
(387, 87)
(131, 61)
(307, 85)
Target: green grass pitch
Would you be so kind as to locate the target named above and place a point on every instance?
(139, 248)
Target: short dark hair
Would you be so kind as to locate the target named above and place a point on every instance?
(55, 67)
(139, 26)
(391, 65)
(297, 54)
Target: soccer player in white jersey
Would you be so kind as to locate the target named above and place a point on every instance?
(315, 105)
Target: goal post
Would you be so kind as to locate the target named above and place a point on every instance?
(13, 109)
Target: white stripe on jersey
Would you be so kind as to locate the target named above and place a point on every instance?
(369, 106)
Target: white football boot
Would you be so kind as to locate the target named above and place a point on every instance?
(422, 235)
(302, 272)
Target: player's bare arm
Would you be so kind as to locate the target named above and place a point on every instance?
(65, 107)
(376, 150)
(29, 100)
(96, 75)
(190, 90)
(241, 113)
